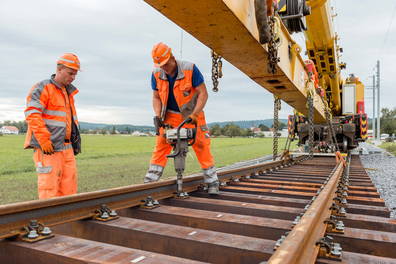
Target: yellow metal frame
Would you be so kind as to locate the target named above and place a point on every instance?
(322, 49)
(229, 28)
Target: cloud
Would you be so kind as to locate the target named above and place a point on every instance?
(114, 39)
(11, 109)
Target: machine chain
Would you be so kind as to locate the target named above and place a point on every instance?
(311, 125)
(277, 107)
(330, 125)
(217, 73)
(273, 58)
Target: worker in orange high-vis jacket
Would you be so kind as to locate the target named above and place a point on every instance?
(179, 92)
(53, 129)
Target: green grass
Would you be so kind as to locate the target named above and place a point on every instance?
(112, 161)
(389, 146)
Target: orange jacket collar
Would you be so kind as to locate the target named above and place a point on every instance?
(180, 73)
(71, 89)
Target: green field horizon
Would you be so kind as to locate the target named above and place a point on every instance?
(112, 161)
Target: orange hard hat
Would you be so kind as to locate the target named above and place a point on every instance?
(69, 60)
(161, 53)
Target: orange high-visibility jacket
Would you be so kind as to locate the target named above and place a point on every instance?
(46, 114)
(183, 90)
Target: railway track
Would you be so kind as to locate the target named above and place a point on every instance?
(268, 212)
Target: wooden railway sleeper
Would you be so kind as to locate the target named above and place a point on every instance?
(149, 203)
(105, 214)
(329, 249)
(36, 231)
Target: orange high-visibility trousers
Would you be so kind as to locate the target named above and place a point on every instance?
(201, 146)
(57, 173)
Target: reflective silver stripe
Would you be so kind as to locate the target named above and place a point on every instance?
(75, 118)
(62, 59)
(154, 173)
(209, 171)
(68, 146)
(54, 123)
(204, 128)
(172, 111)
(156, 168)
(151, 177)
(210, 175)
(166, 52)
(185, 65)
(53, 112)
(35, 104)
(27, 113)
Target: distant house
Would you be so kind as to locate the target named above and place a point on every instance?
(282, 133)
(139, 134)
(9, 130)
(255, 130)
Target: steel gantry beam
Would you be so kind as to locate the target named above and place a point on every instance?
(229, 28)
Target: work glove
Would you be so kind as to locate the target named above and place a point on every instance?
(157, 124)
(47, 147)
(192, 119)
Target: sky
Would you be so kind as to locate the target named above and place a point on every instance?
(113, 40)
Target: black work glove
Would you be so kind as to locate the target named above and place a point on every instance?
(157, 124)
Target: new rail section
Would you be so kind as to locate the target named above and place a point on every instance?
(300, 210)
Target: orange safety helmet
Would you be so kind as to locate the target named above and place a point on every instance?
(69, 60)
(161, 53)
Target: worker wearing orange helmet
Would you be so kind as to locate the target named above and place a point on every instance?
(53, 129)
(179, 92)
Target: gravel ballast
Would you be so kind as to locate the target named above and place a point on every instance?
(381, 167)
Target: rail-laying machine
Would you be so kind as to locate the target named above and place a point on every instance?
(256, 37)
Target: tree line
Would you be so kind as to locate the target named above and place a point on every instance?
(388, 126)
(21, 125)
(232, 130)
(388, 121)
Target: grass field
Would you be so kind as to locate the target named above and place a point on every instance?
(111, 161)
(389, 146)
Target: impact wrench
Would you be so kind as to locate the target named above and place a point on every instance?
(180, 139)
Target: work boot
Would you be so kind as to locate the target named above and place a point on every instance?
(213, 187)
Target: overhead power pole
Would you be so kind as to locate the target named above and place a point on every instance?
(181, 44)
(378, 104)
(374, 120)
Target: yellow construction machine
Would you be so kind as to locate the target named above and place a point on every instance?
(256, 37)
(343, 98)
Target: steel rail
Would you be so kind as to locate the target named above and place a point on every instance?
(50, 212)
(300, 244)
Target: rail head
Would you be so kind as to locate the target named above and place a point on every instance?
(300, 244)
(14, 217)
